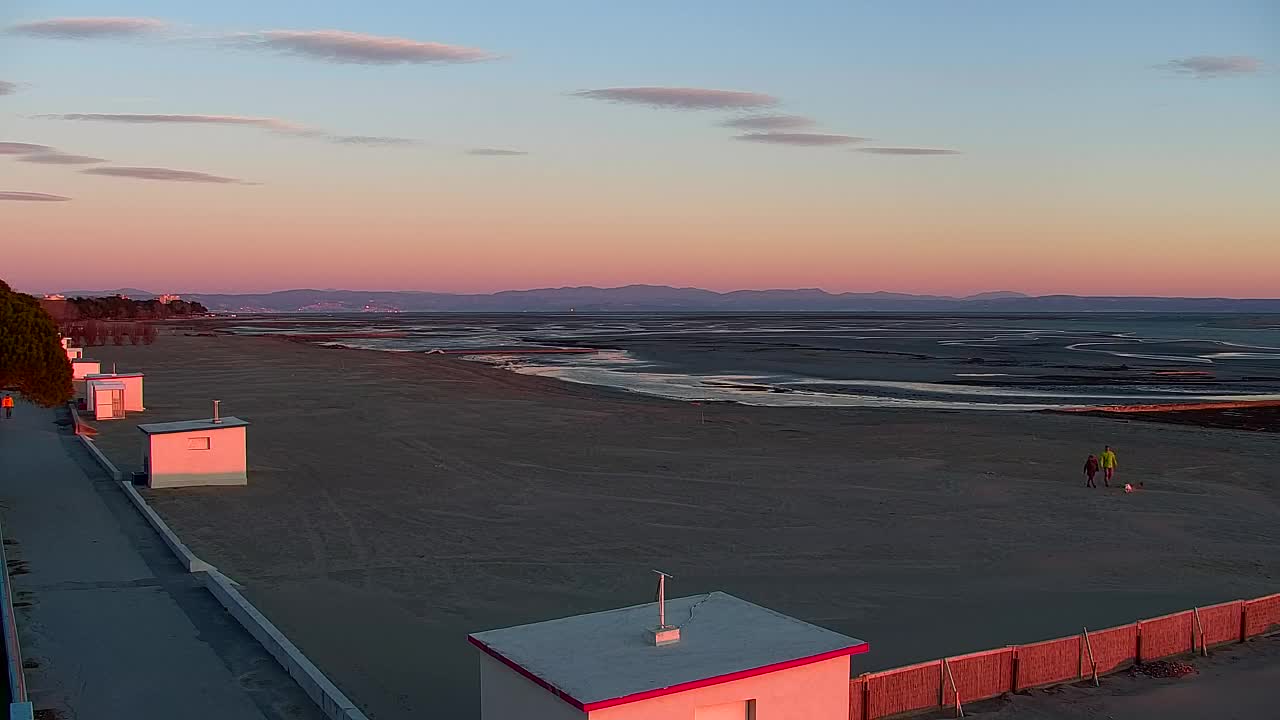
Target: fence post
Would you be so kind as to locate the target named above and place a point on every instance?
(1013, 683)
(1244, 620)
(954, 690)
(1198, 629)
(866, 698)
(942, 683)
(1080, 661)
(1093, 664)
(1137, 651)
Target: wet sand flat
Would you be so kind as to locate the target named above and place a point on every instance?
(398, 501)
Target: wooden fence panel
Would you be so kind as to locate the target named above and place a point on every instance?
(1220, 624)
(1049, 662)
(915, 687)
(979, 676)
(1114, 648)
(1261, 615)
(1165, 636)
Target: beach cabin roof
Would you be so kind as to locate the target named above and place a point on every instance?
(191, 425)
(605, 659)
(101, 384)
(96, 376)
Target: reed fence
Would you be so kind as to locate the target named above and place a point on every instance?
(951, 682)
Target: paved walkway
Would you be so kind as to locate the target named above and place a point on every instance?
(116, 627)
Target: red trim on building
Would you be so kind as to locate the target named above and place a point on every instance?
(670, 690)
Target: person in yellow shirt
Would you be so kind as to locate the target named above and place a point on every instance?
(1108, 461)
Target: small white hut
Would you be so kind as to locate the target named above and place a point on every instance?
(195, 452)
(105, 398)
(727, 659)
(132, 389)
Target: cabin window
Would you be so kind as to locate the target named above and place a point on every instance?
(198, 443)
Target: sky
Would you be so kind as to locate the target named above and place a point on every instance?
(472, 146)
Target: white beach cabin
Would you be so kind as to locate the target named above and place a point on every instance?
(105, 398)
(722, 659)
(132, 389)
(195, 452)
(74, 353)
(82, 368)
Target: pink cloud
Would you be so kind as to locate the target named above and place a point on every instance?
(154, 173)
(1208, 66)
(681, 98)
(59, 158)
(90, 27)
(496, 152)
(349, 47)
(908, 151)
(17, 148)
(271, 124)
(802, 139)
(31, 196)
(32, 153)
(266, 123)
(769, 122)
(369, 140)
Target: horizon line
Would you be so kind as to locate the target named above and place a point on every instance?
(943, 296)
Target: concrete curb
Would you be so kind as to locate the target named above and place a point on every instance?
(106, 464)
(184, 554)
(92, 447)
(16, 678)
(324, 693)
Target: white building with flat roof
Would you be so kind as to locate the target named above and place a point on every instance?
(195, 452)
(729, 660)
(132, 383)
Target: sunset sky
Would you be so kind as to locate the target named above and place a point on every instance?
(936, 147)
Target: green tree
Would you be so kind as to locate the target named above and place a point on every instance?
(32, 360)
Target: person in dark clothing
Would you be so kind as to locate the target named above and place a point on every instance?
(1090, 471)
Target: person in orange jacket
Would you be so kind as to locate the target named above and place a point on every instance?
(7, 404)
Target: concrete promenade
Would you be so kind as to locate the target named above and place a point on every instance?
(111, 625)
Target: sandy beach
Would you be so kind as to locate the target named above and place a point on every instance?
(398, 501)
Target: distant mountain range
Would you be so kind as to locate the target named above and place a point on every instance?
(656, 298)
